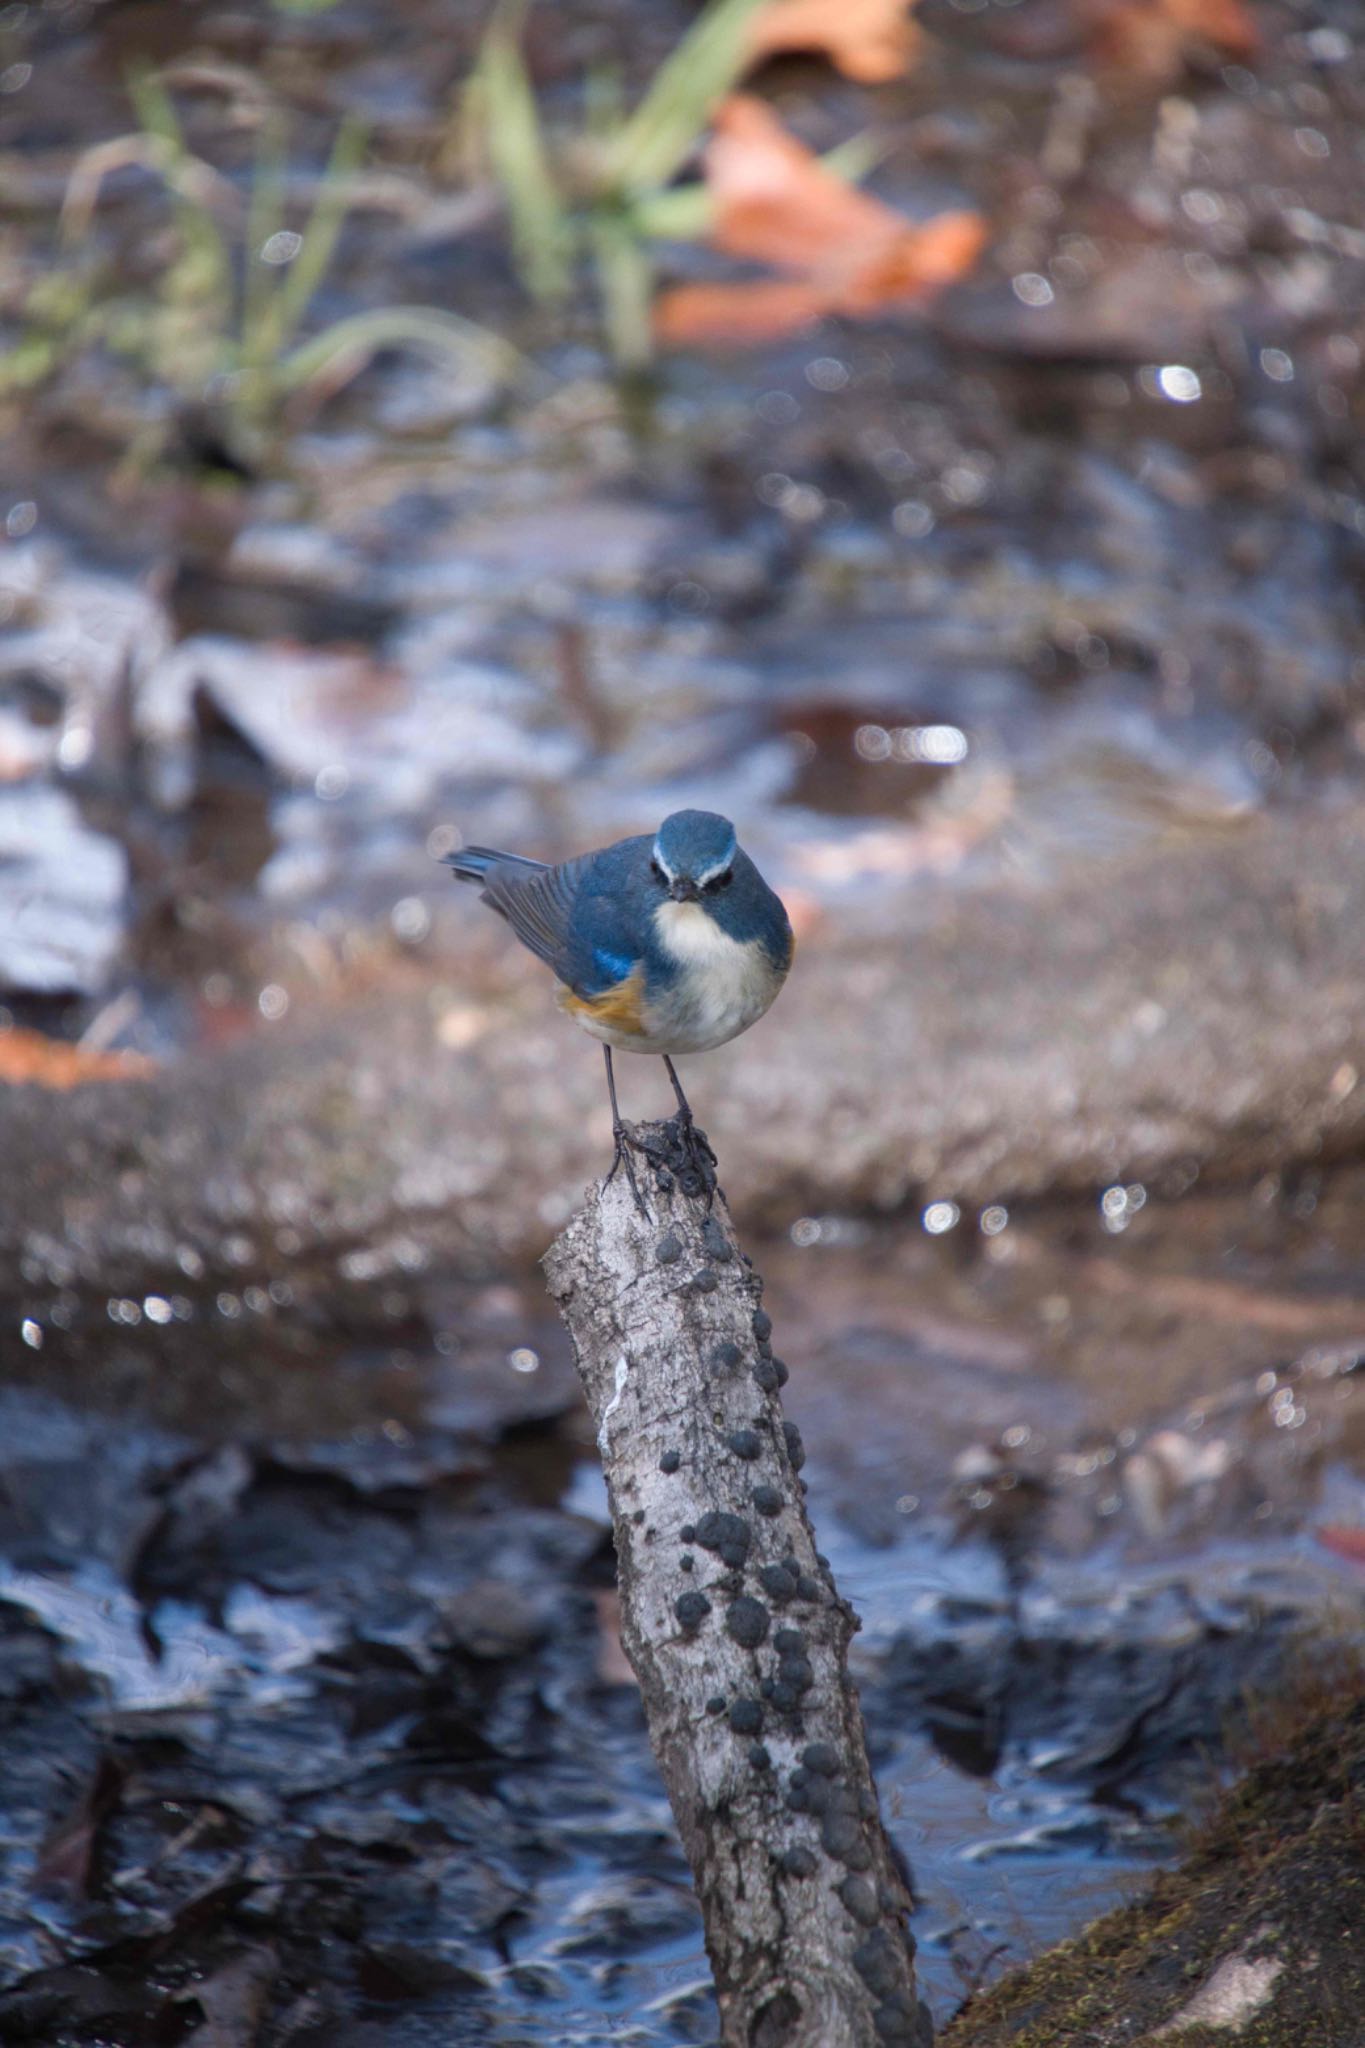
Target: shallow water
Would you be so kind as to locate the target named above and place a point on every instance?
(338, 1623)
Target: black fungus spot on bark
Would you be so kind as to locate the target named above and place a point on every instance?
(745, 1443)
(789, 1641)
(822, 1758)
(840, 1835)
(807, 1588)
(797, 1862)
(867, 1802)
(670, 1461)
(767, 1687)
(686, 1562)
(879, 1963)
(796, 1450)
(897, 2023)
(716, 1703)
(687, 1533)
(767, 1499)
(782, 1370)
(669, 1249)
(638, 1517)
(763, 1325)
(822, 1560)
(663, 1180)
(817, 1794)
(729, 1536)
(715, 1243)
(746, 1621)
(795, 1674)
(725, 1357)
(765, 1375)
(785, 1697)
(691, 1610)
(797, 1799)
(746, 1716)
(860, 1900)
(779, 1583)
(706, 1281)
(759, 1757)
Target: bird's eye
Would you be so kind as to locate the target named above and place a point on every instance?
(658, 873)
(721, 881)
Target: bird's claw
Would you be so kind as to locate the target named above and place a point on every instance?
(684, 1157)
(621, 1157)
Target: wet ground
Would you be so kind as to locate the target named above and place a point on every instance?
(1002, 632)
(316, 1719)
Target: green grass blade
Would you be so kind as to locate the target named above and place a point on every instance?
(681, 214)
(304, 275)
(542, 238)
(659, 136)
(265, 217)
(349, 344)
(206, 257)
(625, 277)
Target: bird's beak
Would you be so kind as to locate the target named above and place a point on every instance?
(683, 890)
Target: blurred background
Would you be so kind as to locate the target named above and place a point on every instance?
(930, 436)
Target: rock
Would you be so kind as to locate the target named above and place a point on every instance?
(1254, 1937)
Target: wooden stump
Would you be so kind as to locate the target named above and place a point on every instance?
(732, 1621)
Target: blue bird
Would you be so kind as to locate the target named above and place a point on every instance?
(671, 944)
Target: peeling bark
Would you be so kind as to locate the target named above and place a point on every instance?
(732, 1621)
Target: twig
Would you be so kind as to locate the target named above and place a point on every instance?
(732, 1622)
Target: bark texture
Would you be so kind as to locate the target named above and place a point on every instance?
(732, 1621)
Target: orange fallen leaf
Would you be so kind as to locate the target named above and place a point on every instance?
(1151, 37)
(870, 40)
(1347, 1543)
(30, 1057)
(774, 202)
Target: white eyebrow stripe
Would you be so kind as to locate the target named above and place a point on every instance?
(717, 868)
(659, 858)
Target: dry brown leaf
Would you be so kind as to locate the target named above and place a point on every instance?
(693, 313)
(870, 40)
(30, 1057)
(774, 202)
(1151, 37)
(1346, 1542)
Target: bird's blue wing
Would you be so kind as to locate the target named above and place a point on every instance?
(538, 903)
(583, 918)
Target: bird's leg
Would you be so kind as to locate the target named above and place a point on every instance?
(700, 1155)
(621, 1156)
(684, 1106)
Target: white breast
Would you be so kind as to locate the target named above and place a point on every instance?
(723, 986)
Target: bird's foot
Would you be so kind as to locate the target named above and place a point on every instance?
(684, 1156)
(624, 1144)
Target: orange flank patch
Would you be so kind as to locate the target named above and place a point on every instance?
(30, 1057)
(846, 252)
(618, 1008)
(870, 40)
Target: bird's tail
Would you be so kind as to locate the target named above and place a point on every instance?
(472, 863)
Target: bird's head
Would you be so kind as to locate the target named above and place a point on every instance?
(693, 860)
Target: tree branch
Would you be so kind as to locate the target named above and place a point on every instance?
(732, 1621)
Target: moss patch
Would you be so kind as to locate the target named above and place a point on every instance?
(1277, 1870)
